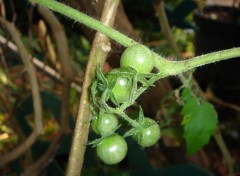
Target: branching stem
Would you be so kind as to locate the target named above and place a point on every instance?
(166, 67)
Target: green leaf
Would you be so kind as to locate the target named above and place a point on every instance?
(199, 121)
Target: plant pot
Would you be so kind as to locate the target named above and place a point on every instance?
(219, 28)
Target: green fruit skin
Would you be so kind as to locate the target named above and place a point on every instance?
(149, 136)
(105, 124)
(112, 149)
(138, 57)
(94, 126)
(121, 89)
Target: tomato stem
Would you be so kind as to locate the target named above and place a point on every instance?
(87, 20)
(166, 67)
(120, 112)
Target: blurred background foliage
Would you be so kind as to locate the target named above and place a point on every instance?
(166, 158)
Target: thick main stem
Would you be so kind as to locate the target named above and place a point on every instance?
(98, 54)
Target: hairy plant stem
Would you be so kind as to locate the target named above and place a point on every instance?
(86, 20)
(167, 31)
(125, 117)
(166, 67)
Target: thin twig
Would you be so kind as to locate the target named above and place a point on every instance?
(46, 159)
(13, 11)
(191, 83)
(65, 59)
(166, 29)
(98, 54)
(13, 123)
(20, 149)
(38, 129)
(4, 64)
(31, 72)
(12, 120)
(211, 97)
(40, 65)
(226, 154)
(2, 7)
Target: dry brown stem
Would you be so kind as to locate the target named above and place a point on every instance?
(65, 59)
(98, 54)
(38, 129)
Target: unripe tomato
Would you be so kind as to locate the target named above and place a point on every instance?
(105, 124)
(148, 136)
(112, 149)
(138, 57)
(121, 89)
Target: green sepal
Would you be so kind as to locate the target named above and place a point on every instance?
(101, 79)
(96, 142)
(141, 116)
(113, 99)
(130, 132)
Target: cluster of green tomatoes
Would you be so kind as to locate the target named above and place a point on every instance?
(110, 93)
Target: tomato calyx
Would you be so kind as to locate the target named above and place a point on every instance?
(117, 87)
(120, 83)
(146, 133)
(98, 141)
(112, 93)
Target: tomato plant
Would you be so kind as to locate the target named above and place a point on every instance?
(112, 149)
(121, 88)
(105, 124)
(148, 134)
(138, 57)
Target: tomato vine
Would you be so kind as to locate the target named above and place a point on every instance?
(103, 94)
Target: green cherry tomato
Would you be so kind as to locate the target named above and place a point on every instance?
(149, 135)
(121, 89)
(138, 57)
(105, 124)
(112, 149)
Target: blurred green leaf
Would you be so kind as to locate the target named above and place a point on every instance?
(199, 121)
